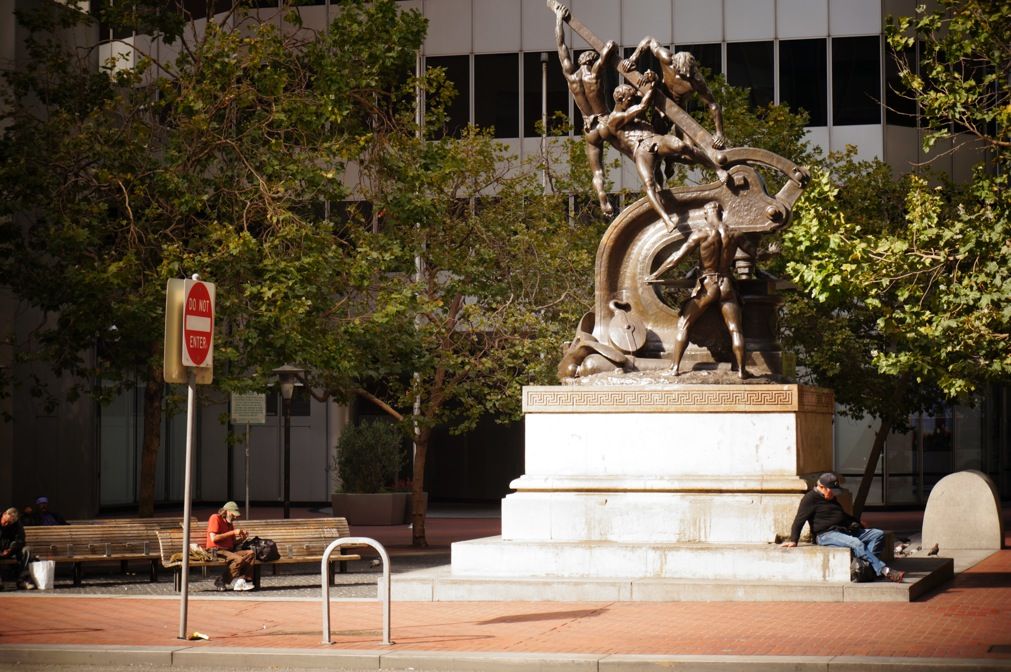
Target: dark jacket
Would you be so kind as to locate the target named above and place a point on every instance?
(823, 515)
(12, 536)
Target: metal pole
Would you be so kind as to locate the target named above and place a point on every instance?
(544, 119)
(287, 457)
(247, 471)
(191, 407)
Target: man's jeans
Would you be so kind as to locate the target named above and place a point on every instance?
(864, 547)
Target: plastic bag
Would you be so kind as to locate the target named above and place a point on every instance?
(43, 573)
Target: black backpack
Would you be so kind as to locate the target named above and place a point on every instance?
(861, 571)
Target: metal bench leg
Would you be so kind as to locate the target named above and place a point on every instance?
(78, 573)
(256, 575)
(177, 579)
(154, 571)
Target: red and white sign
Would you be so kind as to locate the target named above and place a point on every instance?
(198, 324)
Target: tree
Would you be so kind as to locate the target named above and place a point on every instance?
(833, 324)
(476, 280)
(953, 263)
(909, 280)
(217, 160)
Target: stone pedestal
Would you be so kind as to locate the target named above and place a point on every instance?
(692, 481)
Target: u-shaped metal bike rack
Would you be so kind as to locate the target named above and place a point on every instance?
(325, 570)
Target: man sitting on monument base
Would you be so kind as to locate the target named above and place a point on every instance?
(832, 526)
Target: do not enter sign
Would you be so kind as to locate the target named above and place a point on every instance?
(198, 324)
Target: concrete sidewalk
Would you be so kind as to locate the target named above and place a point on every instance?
(963, 625)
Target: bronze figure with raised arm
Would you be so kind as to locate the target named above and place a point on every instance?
(627, 129)
(586, 83)
(717, 244)
(681, 76)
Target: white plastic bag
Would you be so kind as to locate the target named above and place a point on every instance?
(43, 573)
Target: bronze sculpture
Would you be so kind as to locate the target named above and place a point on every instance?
(681, 77)
(631, 328)
(587, 88)
(717, 248)
(626, 129)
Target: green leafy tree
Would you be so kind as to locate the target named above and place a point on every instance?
(475, 280)
(833, 323)
(217, 160)
(954, 261)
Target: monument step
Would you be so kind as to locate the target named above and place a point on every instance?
(495, 556)
(440, 584)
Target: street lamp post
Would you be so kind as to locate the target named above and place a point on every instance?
(287, 375)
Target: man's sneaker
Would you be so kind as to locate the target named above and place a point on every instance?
(219, 583)
(26, 585)
(895, 575)
(242, 584)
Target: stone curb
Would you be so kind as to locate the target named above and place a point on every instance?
(448, 661)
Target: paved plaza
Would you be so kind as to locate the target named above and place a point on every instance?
(125, 620)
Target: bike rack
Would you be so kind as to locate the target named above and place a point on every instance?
(325, 570)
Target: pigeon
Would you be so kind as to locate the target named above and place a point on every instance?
(934, 550)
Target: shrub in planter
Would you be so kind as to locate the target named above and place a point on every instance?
(369, 456)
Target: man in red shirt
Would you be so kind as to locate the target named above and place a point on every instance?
(222, 536)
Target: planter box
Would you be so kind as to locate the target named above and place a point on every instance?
(382, 508)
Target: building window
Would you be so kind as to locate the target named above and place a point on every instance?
(558, 91)
(497, 94)
(900, 106)
(458, 110)
(709, 56)
(750, 64)
(803, 78)
(856, 80)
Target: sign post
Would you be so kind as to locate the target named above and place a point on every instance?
(248, 409)
(189, 358)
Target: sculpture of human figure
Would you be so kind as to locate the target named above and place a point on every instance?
(627, 129)
(717, 245)
(586, 83)
(681, 76)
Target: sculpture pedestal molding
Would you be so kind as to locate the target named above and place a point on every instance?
(689, 481)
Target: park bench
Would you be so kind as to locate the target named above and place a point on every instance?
(299, 541)
(122, 540)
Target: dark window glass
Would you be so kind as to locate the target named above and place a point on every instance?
(558, 91)
(709, 56)
(611, 80)
(457, 71)
(647, 61)
(803, 78)
(856, 80)
(496, 93)
(900, 105)
(749, 64)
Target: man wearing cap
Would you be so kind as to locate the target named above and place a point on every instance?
(832, 526)
(222, 536)
(41, 515)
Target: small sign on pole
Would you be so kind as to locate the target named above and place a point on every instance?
(198, 324)
(189, 358)
(174, 370)
(248, 409)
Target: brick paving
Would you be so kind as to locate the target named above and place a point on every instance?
(966, 619)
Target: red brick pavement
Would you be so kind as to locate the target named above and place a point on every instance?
(962, 620)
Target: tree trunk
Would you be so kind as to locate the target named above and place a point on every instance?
(872, 464)
(419, 503)
(153, 392)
